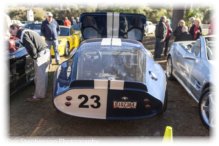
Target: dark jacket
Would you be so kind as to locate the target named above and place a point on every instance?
(50, 30)
(178, 33)
(181, 36)
(32, 41)
(191, 31)
(161, 30)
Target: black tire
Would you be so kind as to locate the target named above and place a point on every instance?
(204, 114)
(169, 69)
(67, 47)
(165, 102)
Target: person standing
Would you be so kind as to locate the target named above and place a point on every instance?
(196, 29)
(73, 21)
(67, 22)
(168, 35)
(39, 52)
(50, 29)
(181, 31)
(160, 34)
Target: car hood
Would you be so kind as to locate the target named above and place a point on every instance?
(62, 37)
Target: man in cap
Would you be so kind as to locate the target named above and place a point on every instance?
(50, 29)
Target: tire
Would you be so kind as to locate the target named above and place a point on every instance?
(169, 69)
(165, 102)
(67, 47)
(204, 108)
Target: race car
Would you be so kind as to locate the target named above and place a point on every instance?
(190, 62)
(21, 67)
(110, 78)
(35, 26)
(68, 40)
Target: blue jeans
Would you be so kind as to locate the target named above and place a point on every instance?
(54, 43)
(158, 48)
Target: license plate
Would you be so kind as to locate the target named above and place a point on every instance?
(124, 105)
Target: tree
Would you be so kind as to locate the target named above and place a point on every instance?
(178, 14)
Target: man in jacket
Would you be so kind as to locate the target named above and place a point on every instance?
(39, 52)
(50, 29)
(160, 34)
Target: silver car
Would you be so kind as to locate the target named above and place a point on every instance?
(190, 62)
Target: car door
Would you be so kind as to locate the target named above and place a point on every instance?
(71, 38)
(198, 70)
(179, 62)
(193, 64)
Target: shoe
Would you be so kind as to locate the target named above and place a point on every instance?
(33, 99)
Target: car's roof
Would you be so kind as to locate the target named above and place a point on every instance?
(111, 42)
(64, 26)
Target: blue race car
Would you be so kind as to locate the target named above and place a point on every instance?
(21, 68)
(111, 75)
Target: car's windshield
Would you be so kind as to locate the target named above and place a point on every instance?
(112, 63)
(33, 26)
(76, 26)
(209, 46)
(64, 31)
(187, 46)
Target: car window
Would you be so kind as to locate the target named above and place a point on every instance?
(37, 26)
(112, 63)
(196, 49)
(76, 26)
(64, 31)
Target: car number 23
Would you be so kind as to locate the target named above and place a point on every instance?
(95, 103)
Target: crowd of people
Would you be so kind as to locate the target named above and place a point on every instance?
(164, 32)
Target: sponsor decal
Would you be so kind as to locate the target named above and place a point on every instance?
(124, 105)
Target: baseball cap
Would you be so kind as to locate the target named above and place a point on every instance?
(49, 14)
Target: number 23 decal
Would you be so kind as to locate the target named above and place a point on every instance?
(85, 98)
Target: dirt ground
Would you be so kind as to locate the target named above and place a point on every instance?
(42, 119)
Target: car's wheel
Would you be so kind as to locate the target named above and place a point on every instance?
(169, 69)
(165, 102)
(67, 51)
(205, 104)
